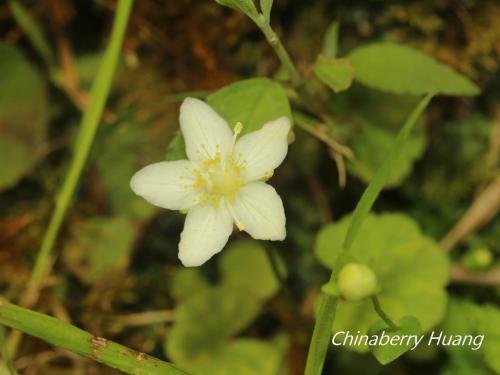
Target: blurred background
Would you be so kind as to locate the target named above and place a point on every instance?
(117, 274)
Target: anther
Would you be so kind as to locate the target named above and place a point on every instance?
(238, 128)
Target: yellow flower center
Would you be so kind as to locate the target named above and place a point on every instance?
(219, 180)
(223, 182)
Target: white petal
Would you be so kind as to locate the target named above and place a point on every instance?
(206, 231)
(259, 209)
(263, 150)
(204, 131)
(167, 184)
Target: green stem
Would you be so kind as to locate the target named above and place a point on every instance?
(76, 340)
(87, 130)
(309, 124)
(275, 264)
(321, 334)
(324, 321)
(33, 31)
(376, 185)
(382, 314)
(275, 42)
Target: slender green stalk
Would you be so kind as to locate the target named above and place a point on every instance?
(326, 312)
(321, 335)
(262, 20)
(377, 183)
(274, 261)
(382, 314)
(76, 340)
(33, 31)
(308, 124)
(88, 127)
(275, 42)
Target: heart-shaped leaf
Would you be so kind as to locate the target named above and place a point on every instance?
(405, 338)
(412, 271)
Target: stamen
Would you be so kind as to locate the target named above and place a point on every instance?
(269, 174)
(237, 130)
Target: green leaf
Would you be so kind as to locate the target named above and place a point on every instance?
(200, 340)
(176, 148)
(411, 269)
(253, 102)
(15, 159)
(133, 147)
(186, 282)
(387, 353)
(374, 119)
(206, 320)
(265, 7)
(100, 248)
(336, 73)
(489, 325)
(468, 318)
(242, 357)
(331, 40)
(246, 267)
(23, 115)
(403, 70)
(209, 316)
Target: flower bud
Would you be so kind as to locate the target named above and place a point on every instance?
(477, 259)
(356, 281)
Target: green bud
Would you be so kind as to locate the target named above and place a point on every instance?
(356, 281)
(477, 259)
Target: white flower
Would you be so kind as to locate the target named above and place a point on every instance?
(221, 183)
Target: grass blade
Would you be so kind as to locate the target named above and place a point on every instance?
(33, 31)
(87, 130)
(76, 340)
